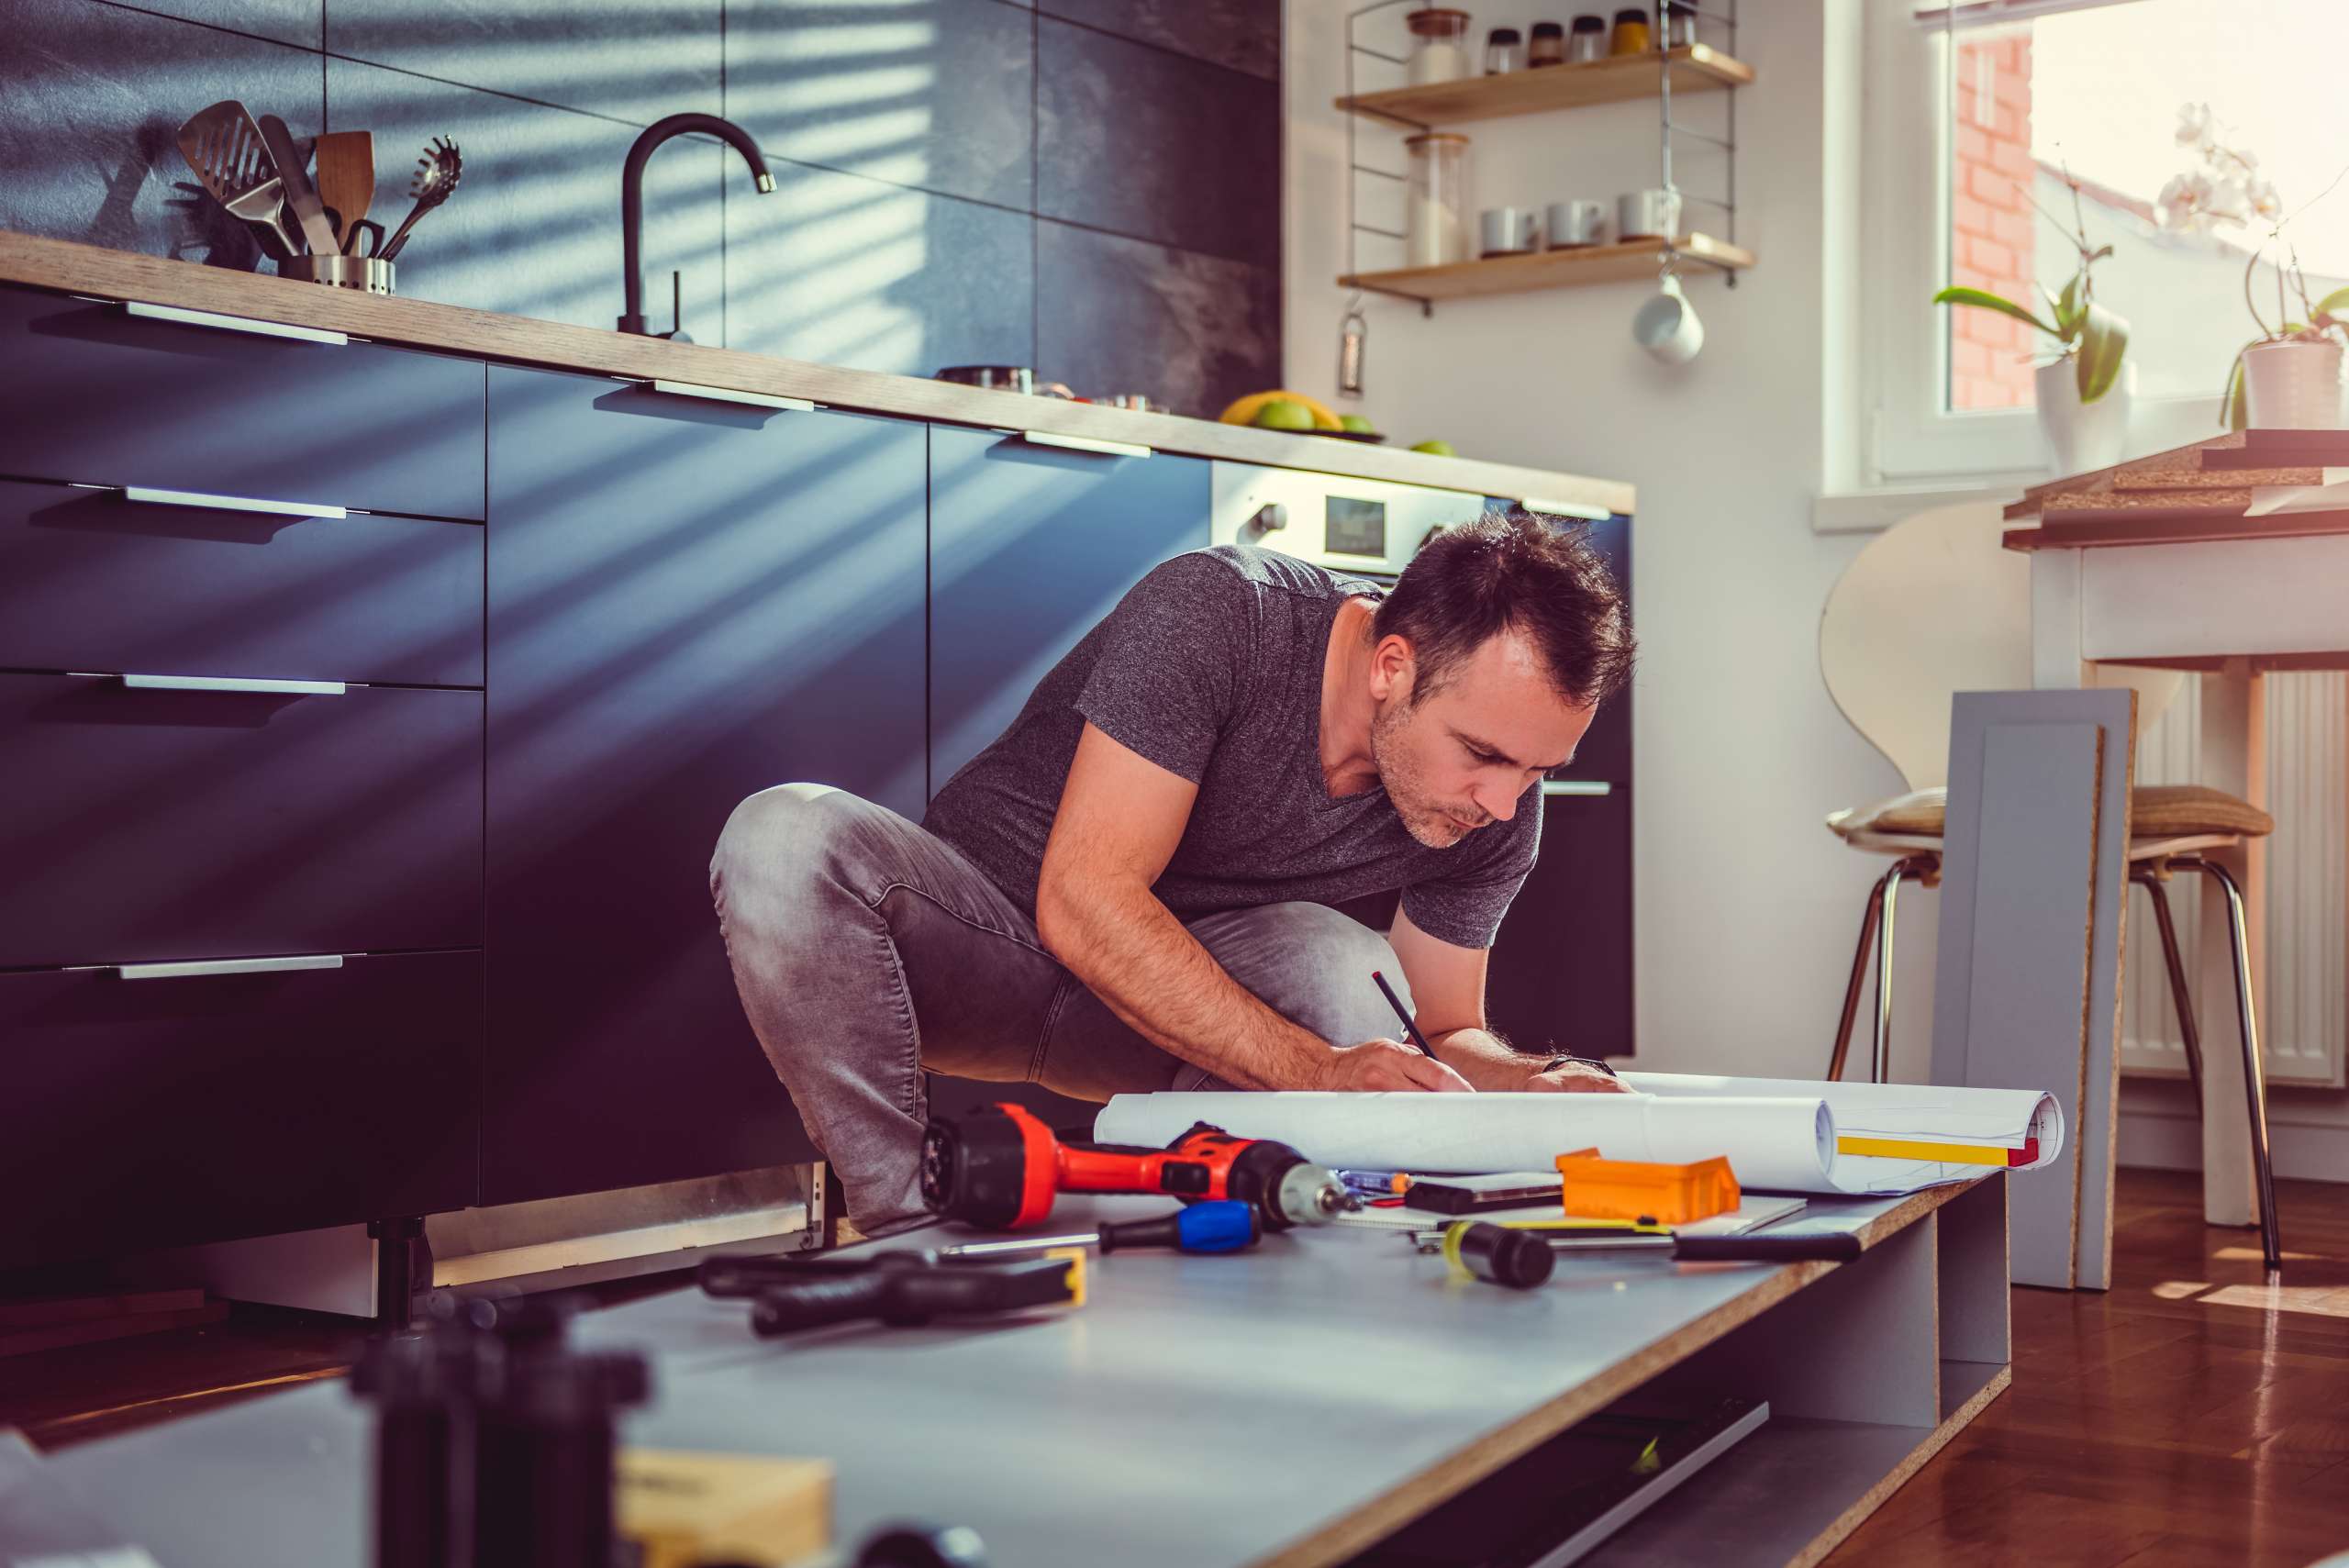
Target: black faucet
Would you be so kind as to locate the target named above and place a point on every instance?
(632, 206)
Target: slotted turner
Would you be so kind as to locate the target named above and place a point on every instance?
(224, 147)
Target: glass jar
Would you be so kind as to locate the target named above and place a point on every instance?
(1504, 51)
(1435, 227)
(1589, 40)
(1549, 45)
(1679, 23)
(1438, 45)
(1630, 32)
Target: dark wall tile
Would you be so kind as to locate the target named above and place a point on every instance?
(1242, 34)
(534, 227)
(1146, 143)
(281, 21)
(633, 62)
(96, 96)
(851, 272)
(1127, 315)
(927, 92)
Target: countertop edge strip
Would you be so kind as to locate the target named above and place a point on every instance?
(71, 267)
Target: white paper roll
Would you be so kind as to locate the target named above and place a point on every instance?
(1783, 1142)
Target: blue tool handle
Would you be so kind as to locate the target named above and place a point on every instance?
(1223, 1226)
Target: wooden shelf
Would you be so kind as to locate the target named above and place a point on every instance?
(1614, 80)
(1547, 269)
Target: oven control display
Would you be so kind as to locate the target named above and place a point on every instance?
(1353, 526)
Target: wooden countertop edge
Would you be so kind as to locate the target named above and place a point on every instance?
(71, 267)
(1345, 1537)
(2124, 532)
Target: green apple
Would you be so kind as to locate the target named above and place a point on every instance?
(1439, 449)
(1358, 423)
(1285, 414)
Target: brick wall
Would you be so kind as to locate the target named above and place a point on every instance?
(1990, 220)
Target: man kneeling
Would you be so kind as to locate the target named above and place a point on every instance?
(1129, 890)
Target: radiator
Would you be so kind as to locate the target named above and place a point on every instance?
(2304, 1002)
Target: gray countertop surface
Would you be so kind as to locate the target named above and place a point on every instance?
(1197, 1411)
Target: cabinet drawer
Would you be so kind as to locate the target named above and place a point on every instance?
(97, 396)
(139, 1113)
(91, 579)
(139, 824)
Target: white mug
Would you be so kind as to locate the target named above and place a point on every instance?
(1508, 230)
(1570, 224)
(1667, 326)
(1647, 214)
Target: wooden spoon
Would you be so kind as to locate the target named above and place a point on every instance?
(346, 175)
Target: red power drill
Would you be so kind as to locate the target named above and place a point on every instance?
(1002, 1166)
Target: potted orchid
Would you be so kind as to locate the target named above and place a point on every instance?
(2289, 376)
(2084, 387)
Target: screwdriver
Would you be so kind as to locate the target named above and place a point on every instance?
(1225, 1226)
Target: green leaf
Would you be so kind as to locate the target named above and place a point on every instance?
(1982, 301)
(2234, 409)
(2067, 310)
(2104, 339)
(2335, 303)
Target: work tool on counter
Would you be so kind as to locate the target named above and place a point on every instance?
(901, 1288)
(1477, 1246)
(300, 194)
(1498, 1254)
(1001, 1167)
(225, 149)
(1410, 1030)
(437, 173)
(1675, 1193)
(345, 176)
(1221, 1226)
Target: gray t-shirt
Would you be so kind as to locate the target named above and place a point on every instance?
(1212, 667)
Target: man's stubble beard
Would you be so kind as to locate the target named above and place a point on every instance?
(1426, 822)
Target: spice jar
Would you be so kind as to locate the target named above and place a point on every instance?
(1589, 40)
(1438, 45)
(1630, 32)
(1679, 23)
(1434, 228)
(1504, 51)
(1549, 45)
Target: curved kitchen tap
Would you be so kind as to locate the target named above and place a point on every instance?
(632, 205)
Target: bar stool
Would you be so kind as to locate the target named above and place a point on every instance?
(1934, 607)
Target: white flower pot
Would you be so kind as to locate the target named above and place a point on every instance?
(2293, 386)
(2083, 437)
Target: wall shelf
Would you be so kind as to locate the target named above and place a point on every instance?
(1550, 269)
(1617, 79)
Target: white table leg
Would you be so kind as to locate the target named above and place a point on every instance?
(2233, 758)
(2058, 659)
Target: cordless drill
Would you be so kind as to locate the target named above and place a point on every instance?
(1001, 1167)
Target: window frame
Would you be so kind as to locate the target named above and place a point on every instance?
(1908, 436)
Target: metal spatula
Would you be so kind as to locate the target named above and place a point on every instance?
(293, 168)
(224, 147)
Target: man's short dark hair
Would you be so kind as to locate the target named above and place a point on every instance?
(1513, 571)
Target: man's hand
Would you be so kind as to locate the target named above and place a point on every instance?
(1574, 1078)
(1388, 1064)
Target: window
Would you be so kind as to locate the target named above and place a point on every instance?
(2001, 128)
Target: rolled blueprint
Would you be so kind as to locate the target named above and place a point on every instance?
(1786, 1142)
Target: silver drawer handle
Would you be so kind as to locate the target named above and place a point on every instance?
(1549, 509)
(232, 683)
(227, 966)
(151, 496)
(1084, 444)
(236, 323)
(1552, 788)
(730, 394)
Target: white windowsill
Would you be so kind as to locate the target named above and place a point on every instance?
(1872, 510)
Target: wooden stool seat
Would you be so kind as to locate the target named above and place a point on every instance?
(2164, 813)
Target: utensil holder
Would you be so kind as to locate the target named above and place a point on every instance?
(364, 273)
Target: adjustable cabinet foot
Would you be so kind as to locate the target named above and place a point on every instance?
(403, 1259)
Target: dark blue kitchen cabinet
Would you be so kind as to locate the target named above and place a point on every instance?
(1030, 546)
(688, 601)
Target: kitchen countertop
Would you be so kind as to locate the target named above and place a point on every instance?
(122, 274)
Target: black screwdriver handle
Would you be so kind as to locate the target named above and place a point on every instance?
(843, 1298)
(1839, 1247)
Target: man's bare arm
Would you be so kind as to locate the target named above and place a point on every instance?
(1448, 996)
(1120, 817)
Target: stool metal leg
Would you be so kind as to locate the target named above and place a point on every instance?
(1880, 1062)
(2255, 1079)
(2179, 995)
(1859, 974)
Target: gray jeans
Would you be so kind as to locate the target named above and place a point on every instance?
(867, 950)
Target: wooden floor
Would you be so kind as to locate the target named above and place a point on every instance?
(2190, 1415)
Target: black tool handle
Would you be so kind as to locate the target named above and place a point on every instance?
(1838, 1248)
(836, 1295)
(909, 1291)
